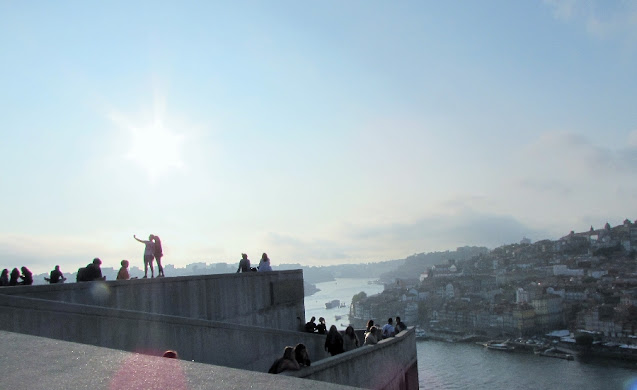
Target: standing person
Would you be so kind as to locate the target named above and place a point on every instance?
(149, 253)
(27, 277)
(400, 326)
(4, 279)
(350, 340)
(388, 328)
(264, 264)
(244, 264)
(15, 275)
(123, 274)
(370, 323)
(56, 276)
(334, 341)
(157, 252)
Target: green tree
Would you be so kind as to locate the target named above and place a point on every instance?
(359, 297)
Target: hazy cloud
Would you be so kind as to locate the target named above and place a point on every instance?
(600, 18)
(566, 154)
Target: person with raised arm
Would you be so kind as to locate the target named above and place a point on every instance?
(149, 254)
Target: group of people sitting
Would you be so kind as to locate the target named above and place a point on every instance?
(312, 327)
(16, 278)
(93, 271)
(373, 333)
(294, 358)
(264, 264)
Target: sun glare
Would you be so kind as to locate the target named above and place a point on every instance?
(155, 149)
(152, 144)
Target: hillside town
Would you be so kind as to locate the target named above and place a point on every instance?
(581, 289)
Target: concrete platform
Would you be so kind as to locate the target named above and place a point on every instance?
(31, 362)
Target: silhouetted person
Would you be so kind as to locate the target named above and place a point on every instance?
(334, 341)
(4, 278)
(27, 277)
(56, 276)
(149, 254)
(244, 264)
(400, 326)
(264, 264)
(15, 275)
(370, 323)
(301, 355)
(310, 326)
(91, 272)
(321, 328)
(123, 274)
(287, 362)
(158, 253)
(350, 340)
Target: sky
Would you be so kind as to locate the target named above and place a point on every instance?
(320, 132)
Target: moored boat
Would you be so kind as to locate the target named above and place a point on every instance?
(500, 347)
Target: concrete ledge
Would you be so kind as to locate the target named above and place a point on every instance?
(62, 365)
(390, 364)
(268, 299)
(214, 342)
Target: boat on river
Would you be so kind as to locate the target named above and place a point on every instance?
(332, 304)
(556, 353)
(500, 347)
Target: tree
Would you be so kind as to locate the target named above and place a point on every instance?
(359, 297)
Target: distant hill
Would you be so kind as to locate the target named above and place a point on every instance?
(414, 265)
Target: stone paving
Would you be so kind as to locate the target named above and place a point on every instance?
(31, 362)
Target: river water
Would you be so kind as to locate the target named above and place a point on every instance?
(453, 366)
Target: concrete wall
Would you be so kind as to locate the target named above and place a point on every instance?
(267, 299)
(389, 365)
(232, 345)
(235, 320)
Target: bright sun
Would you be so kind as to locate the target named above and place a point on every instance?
(153, 146)
(155, 149)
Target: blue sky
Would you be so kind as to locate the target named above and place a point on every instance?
(319, 132)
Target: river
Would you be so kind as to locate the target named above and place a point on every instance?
(452, 366)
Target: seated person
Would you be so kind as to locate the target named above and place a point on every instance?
(27, 277)
(321, 328)
(56, 276)
(301, 355)
(310, 327)
(123, 272)
(400, 326)
(287, 362)
(371, 337)
(91, 272)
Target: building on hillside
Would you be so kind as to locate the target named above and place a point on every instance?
(549, 312)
